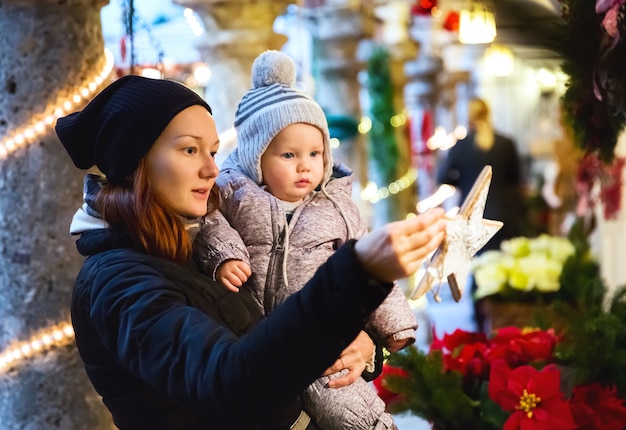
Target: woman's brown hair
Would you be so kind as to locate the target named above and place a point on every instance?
(153, 226)
(480, 121)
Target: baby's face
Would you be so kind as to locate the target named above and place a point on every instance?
(293, 163)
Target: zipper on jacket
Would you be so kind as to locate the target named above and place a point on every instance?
(269, 292)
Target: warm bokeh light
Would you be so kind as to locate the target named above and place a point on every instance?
(41, 124)
(60, 335)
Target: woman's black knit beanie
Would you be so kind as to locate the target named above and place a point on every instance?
(120, 125)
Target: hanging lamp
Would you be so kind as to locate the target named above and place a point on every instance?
(477, 23)
(499, 60)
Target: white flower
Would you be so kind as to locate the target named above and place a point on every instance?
(561, 249)
(519, 278)
(490, 279)
(516, 247)
(489, 257)
(543, 274)
(523, 264)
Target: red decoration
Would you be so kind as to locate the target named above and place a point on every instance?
(428, 128)
(590, 170)
(123, 48)
(420, 132)
(423, 7)
(451, 21)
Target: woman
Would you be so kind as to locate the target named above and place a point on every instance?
(484, 146)
(462, 165)
(166, 347)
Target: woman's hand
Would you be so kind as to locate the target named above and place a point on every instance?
(397, 249)
(354, 358)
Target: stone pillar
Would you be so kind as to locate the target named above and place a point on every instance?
(48, 50)
(337, 31)
(237, 32)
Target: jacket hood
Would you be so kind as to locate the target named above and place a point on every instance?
(87, 217)
(100, 240)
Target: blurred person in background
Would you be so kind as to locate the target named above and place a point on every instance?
(463, 163)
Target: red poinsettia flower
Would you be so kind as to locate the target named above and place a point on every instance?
(595, 407)
(458, 338)
(379, 383)
(470, 360)
(464, 351)
(522, 346)
(533, 396)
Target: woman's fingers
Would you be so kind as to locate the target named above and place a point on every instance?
(397, 249)
(346, 379)
(354, 358)
(353, 362)
(336, 367)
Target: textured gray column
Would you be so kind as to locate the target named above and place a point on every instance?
(48, 49)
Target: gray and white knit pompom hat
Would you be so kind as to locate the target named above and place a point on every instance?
(271, 105)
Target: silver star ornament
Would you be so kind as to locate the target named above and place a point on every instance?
(466, 233)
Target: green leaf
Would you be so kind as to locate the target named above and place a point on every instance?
(431, 392)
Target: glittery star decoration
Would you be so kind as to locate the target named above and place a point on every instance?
(466, 233)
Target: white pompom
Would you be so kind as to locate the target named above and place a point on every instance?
(273, 67)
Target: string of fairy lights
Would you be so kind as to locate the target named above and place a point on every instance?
(41, 124)
(62, 334)
(373, 194)
(52, 337)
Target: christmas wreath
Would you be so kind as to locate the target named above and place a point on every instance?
(594, 53)
(594, 102)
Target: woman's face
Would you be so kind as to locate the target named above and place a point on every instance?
(180, 166)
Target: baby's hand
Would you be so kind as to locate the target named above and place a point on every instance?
(233, 273)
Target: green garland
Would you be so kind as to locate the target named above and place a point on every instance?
(429, 391)
(595, 99)
(383, 147)
(595, 344)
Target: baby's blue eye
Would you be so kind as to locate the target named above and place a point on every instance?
(288, 155)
